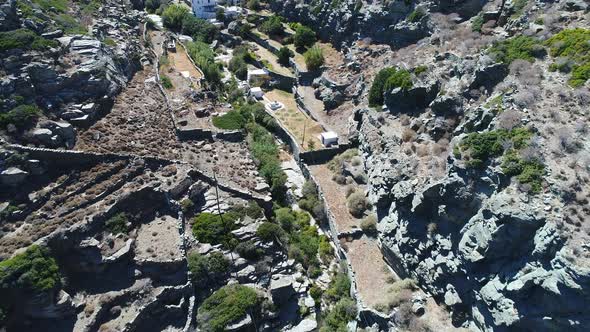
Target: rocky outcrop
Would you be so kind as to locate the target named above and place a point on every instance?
(493, 255)
(8, 17)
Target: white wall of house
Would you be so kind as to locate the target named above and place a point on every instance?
(204, 9)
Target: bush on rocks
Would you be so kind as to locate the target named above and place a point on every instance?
(32, 271)
(215, 229)
(227, 305)
(207, 269)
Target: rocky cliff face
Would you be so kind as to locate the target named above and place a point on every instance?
(501, 257)
(383, 22)
(496, 254)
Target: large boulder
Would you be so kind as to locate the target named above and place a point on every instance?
(13, 176)
(8, 16)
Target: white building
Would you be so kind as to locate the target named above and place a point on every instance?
(328, 138)
(204, 9)
(257, 92)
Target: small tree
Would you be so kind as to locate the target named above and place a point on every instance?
(369, 225)
(284, 55)
(304, 37)
(173, 16)
(314, 58)
(272, 26)
(152, 5)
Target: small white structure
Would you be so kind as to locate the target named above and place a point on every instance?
(204, 9)
(258, 77)
(185, 39)
(274, 106)
(329, 138)
(257, 92)
(216, 23)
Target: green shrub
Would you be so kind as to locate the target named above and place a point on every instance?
(482, 146)
(248, 250)
(357, 204)
(173, 16)
(227, 305)
(573, 44)
(207, 269)
(69, 24)
(314, 58)
(238, 67)
(117, 224)
(187, 205)
(22, 116)
(519, 47)
(416, 15)
(337, 319)
(304, 37)
(388, 79)
(215, 229)
(477, 23)
(284, 55)
(32, 271)
(325, 249)
(272, 26)
(316, 293)
(231, 120)
(24, 39)
(204, 57)
(166, 82)
(528, 172)
(199, 29)
(268, 231)
(266, 152)
(285, 218)
(339, 288)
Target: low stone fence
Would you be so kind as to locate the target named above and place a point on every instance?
(322, 156)
(193, 134)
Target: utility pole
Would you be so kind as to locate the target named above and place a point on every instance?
(304, 128)
(231, 251)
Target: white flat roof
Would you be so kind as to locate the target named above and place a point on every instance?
(329, 135)
(257, 72)
(256, 89)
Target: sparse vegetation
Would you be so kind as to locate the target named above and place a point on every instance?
(416, 15)
(226, 305)
(166, 82)
(248, 250)
(357, 204)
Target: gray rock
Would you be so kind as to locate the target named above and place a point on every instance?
(281, 288)
(13, 176)
(306, 325)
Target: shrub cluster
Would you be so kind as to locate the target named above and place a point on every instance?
(314, 58)
(117, 224)
(519, 47)
(357, 203)
(480, 147)
(216, 229)
(207, 270)
(24, 39)
(272, 26)
(204, 57)
(310, 201)
(573, 44)
(386, 80)
(284, 55)
(166, 82)
(416, 15)
(32, 271)
(22, 116)
(304, 37)
(248, 250)
(232, 120)
(227, 305)
(179, 18)
(344, 309)
(238, 63)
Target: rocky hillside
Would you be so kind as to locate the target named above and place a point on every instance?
(478, 164)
